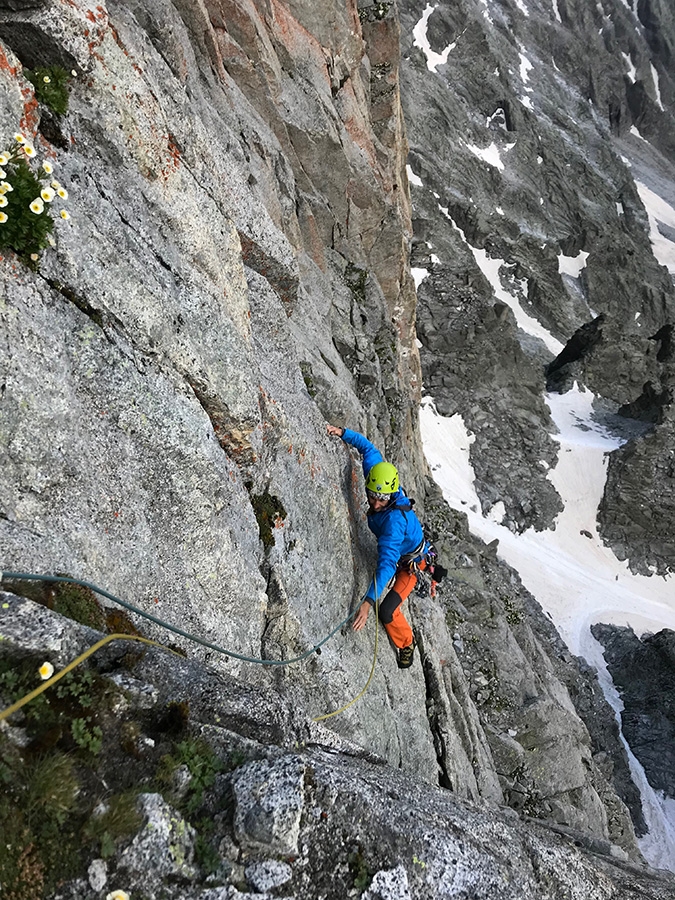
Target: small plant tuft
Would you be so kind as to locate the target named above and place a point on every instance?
(119, 819)
(52, 87)
(269, 512)
(358, 869)
(87, 736)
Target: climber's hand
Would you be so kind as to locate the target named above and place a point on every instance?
(361, 616)
(335, 431)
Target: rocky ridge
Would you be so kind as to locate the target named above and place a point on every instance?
(290, 809)
(235, 274)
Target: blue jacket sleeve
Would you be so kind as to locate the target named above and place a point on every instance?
(388, 553)
(369, 452)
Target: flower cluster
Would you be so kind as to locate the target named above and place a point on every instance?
(26, 198)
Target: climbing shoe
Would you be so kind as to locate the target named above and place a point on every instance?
(405, 656)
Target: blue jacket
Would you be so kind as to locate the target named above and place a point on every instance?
(398, 531)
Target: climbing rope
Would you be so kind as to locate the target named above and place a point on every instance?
(191, 637)
(370, 677)
(5, 713)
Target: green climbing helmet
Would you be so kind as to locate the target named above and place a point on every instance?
(382, 479)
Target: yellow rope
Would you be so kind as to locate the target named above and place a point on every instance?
(97, 646)
(370, 677)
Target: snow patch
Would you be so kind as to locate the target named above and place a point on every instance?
(657, 87)
(498, 117)
(556, 10)
(422, 41)
(632, 71)
(490, 154)
(659, 211)
(418, 276)
(572, 265)
(412, 178)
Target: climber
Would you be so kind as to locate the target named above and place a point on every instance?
(400, 544)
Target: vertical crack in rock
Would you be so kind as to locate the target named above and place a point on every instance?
(432, 693)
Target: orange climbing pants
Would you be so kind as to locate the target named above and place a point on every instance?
(391, 614)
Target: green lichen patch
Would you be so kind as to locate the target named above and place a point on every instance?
(356, 280)
(308, 378)
(71, 600)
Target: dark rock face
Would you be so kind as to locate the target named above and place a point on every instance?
(643, 670)
(638, 509)
(521, 139)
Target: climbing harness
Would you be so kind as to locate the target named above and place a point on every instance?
(191, 637)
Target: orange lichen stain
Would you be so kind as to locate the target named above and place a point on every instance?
(5, 66)
(89, 14)
(279, 522)
(172, 163)
(28, 122)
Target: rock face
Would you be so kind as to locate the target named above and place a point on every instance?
(300, 813)
(537, 133)
(643, 670)
(532, 171)
(235, 273)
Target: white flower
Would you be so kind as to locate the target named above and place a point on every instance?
(51, 241)
(117, 895)
(47, 79)
(19, 138)
(48, 167)
(47, 194)
(3, 174)
(37, 206)
(29, 150)
(3, 201)
(64, 215)
(46, 671)
(62, 192)
(6, 187)
(4, 159)
(3, 218)
(34, 257)
(56, 184)
(73, 73)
